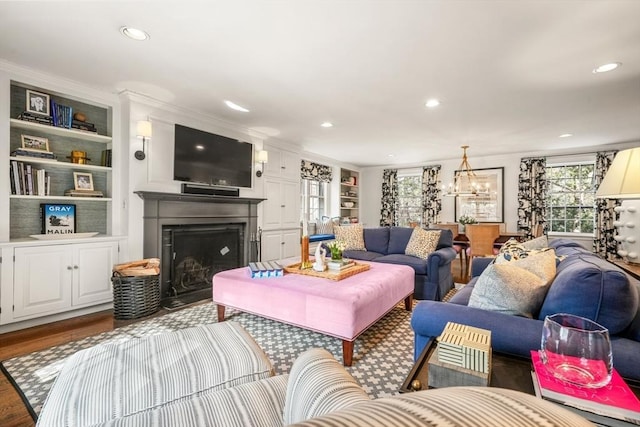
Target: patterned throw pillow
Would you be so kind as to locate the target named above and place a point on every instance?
(350, 236)
(422, 242)
(325, 227)
(517, 287)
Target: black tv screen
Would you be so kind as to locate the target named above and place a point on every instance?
(211, 159)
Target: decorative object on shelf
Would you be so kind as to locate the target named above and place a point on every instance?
(80, 117)
(465, 219)
(348, 204)
(336, 249)
(320, 264)
(576, 350)
(144, 131)
(61, 115)
(83, 181)
(622, 181)
(38, 103)
(35, 143)
(58, 218)
(262, 157)
(79, 157)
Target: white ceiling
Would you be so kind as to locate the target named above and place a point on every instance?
(511, 75)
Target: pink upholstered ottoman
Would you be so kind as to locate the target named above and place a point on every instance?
(342, 309)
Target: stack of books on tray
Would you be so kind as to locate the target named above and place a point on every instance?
(334, 265)
(265, 269)
(612, 405)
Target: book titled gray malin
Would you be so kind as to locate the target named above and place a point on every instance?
(260, 270)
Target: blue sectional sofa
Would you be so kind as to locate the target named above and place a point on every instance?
(387, 245)
(584, 285)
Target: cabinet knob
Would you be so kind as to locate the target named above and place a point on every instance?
(283, 167)
(282, 206)
(282, 243)
(69, 267)
(75, 267)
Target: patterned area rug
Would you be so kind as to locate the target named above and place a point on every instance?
(383, 355)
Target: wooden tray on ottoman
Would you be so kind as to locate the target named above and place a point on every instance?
(328, 274)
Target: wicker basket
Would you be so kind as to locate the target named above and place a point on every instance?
(135, 296)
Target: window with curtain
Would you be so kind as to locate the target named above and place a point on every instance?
(314, 181)
(313, 199)
(571, 203)
(409, 197)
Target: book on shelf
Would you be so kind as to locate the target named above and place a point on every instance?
(28, 180)
(27, 152)
(611, 403)
(84, 193)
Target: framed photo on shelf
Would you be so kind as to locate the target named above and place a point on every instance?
(83, 181)
(35, 143)
(58, 218)
(487, 204)
(38, 103)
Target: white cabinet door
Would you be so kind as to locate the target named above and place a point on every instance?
(92, 268)
(271, 245)
(290, 166)
(42, 280)
(272, 207)
(291, 246)
(290, 214)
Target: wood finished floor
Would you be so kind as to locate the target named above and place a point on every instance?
(12, 411)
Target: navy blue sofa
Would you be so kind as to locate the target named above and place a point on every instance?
(433, 277)
(585, 285)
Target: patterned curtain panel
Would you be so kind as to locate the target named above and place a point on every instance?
(431, 201)
(532, 195)
(315, 171)
(389, 211)
(603, 243)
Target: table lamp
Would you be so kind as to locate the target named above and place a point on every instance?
(622, 181)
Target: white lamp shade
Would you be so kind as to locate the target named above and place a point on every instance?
(262, 156)
(622, 180)
(143, 129)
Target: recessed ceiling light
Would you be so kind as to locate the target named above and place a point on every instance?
(235, 106)
(431, 103)
(391, 155)
(199, 147)
(565, 135)
(134, 33)
(606, 67)
(327, 125)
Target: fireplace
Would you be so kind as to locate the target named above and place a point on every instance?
(196, 236)
(194, 253)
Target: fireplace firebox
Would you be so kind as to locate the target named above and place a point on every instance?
(195, 236)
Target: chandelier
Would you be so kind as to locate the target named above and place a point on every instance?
(465, 181)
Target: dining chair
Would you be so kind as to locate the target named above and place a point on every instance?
(481, 239)
(460, 249)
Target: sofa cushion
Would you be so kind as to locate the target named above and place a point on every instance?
(516, 287)
(377, 239)
(446, 238)
(318, 384)
(591, 287)
(418, 264)
(537, 243)
(398, 239)
(350, 236)
(422, 242)
(363, 255)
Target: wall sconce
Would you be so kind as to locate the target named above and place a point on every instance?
(143, 130)
(262, 157)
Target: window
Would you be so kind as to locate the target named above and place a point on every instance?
(571, 198)
(313, 200)
(409, 197)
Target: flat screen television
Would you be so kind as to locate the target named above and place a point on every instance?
(206, 158)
